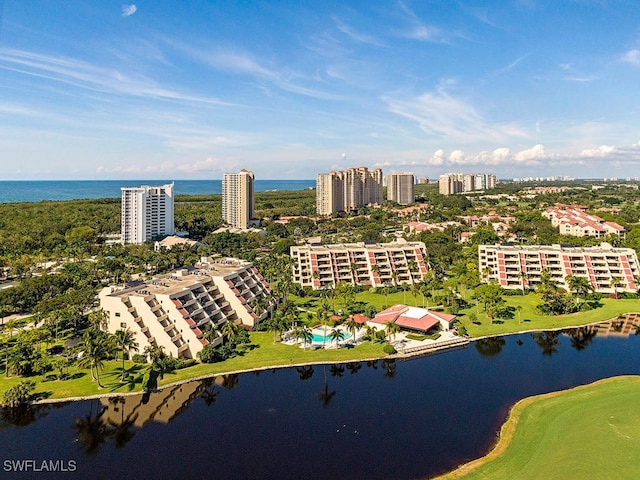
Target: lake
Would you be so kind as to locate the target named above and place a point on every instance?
(376, 420)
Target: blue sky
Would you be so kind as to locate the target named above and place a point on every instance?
(176, 90)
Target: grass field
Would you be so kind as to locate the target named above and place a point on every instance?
(525, 319)
(587, 432)
(266, 353)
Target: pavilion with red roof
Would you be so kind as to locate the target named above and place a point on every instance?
(414, 318)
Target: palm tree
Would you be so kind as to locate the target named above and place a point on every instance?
(519, 310)
(371, 332)
(392, 328)
(523, 279)
(99, 319)
(97, 346)
(211, 332)
(305, 333)
(229, 330)
(412, 265)
(352, 326)
(125, 340)
(616, 282)
(580, 285)
(337, 335)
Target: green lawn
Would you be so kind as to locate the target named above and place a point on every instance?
(527, 319)
(587, 432)
(269, 354)
(266, 354)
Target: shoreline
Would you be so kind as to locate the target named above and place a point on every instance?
(395, 356)
(509, 427)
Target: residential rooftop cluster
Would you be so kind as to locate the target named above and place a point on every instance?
(574, 220)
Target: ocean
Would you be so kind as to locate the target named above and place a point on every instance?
(38, 190)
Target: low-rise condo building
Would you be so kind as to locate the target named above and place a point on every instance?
(323, 266)
(173, 310)
(575, 221)
(608, 269)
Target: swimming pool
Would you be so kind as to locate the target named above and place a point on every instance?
(323, 335)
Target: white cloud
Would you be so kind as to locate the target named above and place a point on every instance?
(632, 57)
(531, 156)
(599, 152)
(128, 10)
(437, 158)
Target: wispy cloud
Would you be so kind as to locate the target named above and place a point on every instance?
(90, 77)
(418, 30)
(440, 114)
(631, 56)
(128, 10)
(353, 34)
(238, 62)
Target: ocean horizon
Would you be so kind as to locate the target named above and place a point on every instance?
(15, 191)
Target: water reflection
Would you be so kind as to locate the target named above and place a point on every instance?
(489, 347)
(292, 411)
(547, 341)
(581, 337)
(305, 372)
(22, 415)
(325, 396)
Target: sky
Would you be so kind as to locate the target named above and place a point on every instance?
(288, 89)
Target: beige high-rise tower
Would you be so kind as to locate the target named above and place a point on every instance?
(400, 188)
(347, 190)
(238, 198)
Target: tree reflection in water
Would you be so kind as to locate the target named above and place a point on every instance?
(581, 337)
(123, 431)
(230, 381)
(305, 372)
(325, 396)
(22, 415)
(354, 367)
(389, 366)
(209, 393)
(489, 347)
(91, 430)
(547, 341)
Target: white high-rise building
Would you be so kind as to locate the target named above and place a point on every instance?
(400, 188)
(238, 198)
(147, 213)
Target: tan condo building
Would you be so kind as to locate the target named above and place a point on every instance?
(608, 269)
(238, 198)
(348, 190)
(575, 221)
(323, 266)
(400, 188)
(173, 310)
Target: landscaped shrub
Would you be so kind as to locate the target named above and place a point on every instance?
(137, 358)
(388, 349)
